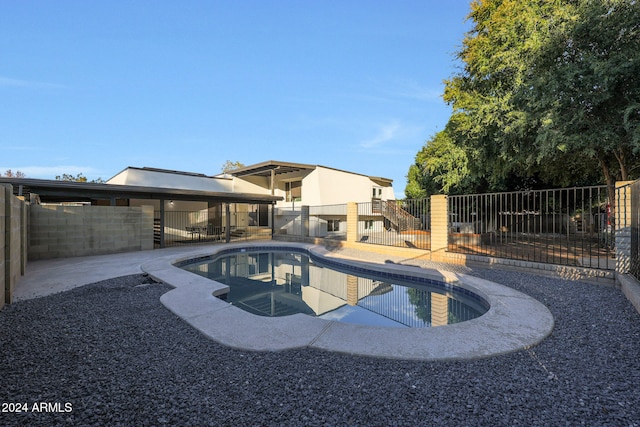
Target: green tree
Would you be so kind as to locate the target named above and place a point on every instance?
(497, 54)
(77, 178)
(71, 178)
(547, 96)
(17, 174)
(583, 93)
(440, 167)
(228, 166)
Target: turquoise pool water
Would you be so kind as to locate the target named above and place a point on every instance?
(284, 282)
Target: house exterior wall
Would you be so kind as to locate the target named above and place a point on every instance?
(151, 178)
(320, 186)
(280, 187)
(324, 186)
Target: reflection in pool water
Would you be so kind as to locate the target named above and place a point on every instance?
(277, 283)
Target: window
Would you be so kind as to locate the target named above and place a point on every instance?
(333, 225)
(368, 224)
(377, 192)
(293, 191)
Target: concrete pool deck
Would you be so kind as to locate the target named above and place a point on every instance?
(514, 322)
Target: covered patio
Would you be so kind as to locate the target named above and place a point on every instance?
(181, 216)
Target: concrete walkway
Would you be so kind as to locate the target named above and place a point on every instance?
(48, 277)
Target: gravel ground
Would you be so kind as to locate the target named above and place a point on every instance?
(110, 354)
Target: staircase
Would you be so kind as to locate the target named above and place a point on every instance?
(237, 233)
(398, 218)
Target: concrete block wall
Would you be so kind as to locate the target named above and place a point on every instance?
(13, 247)
(2, 244)
(70, 231)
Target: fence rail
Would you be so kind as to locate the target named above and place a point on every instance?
(404, 223)
(570, 226)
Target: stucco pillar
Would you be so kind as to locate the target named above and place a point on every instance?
(439, 222)
(352, 222)
(352, 290)
(623, 226)
(439, 309)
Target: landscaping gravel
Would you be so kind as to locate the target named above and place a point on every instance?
(109, 353)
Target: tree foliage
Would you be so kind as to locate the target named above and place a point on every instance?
(440, 167)
(228, 166)
(17, 174)
(77, 178)
(548, 95)
(584, 92)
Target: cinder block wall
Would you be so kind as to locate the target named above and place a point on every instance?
(70, 231)
(13, 258)
(2, 244)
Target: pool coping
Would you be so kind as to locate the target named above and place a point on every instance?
(514, 322)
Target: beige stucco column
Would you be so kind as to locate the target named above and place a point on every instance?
(439, 222)
(439, 309)
(352, 290)
(352, 222)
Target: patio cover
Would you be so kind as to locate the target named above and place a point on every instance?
(68, 191)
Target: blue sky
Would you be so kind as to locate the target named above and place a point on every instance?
(92, 87)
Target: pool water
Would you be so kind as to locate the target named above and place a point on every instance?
(281, 283)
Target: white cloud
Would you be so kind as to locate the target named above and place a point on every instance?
(22, 148)
(394, 132)
(9, 82)
(384, 134)
(413, 90)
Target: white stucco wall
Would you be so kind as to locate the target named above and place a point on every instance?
(330, 186)
(150, 178)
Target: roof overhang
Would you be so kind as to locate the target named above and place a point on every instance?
(271, 166)
(266, 168)
(54, 191)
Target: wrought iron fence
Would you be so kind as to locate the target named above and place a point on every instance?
(404, 223)
(570, 226)
(634, 217)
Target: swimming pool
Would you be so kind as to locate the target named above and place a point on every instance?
(514, 321)
(282, 282)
